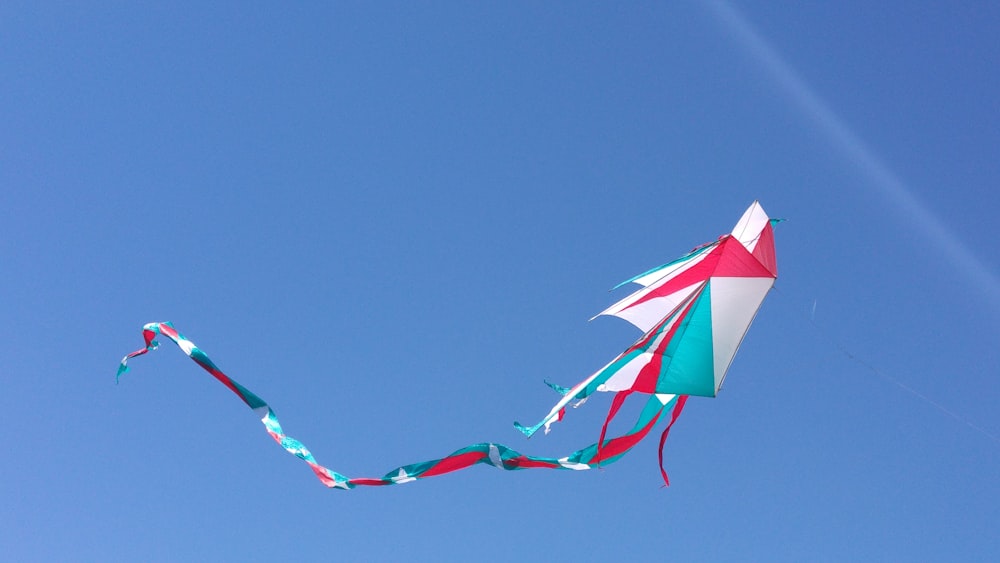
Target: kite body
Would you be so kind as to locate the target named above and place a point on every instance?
(694, 312)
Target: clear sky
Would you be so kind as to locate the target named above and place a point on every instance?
(392, 221)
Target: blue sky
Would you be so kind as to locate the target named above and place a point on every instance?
(393, 221)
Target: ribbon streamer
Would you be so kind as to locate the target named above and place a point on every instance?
(498, 455)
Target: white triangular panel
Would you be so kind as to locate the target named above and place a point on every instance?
(735, 302)
(624, 378)
(750, 225)
(665, 398)
(646, 315)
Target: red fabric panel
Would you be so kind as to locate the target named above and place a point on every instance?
(736, 262)
(616, 405)
(528, 463)
(621, 444)
(368, 481)
(764, 251)
(453, 463)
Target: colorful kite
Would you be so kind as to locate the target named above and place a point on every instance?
(694, 312)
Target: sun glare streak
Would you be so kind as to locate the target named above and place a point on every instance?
(857, 151)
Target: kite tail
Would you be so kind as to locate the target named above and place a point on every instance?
(681, 401)
(616, 405)
(502, 457)
(578, 393)
(259, 406)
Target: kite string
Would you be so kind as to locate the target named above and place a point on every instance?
(843, 349)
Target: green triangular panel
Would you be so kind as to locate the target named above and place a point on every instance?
(688, 363)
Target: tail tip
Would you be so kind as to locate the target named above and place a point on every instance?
(524, 430)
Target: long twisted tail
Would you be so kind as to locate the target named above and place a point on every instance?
(497, 455)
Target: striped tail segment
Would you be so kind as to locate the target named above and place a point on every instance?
(502, 457)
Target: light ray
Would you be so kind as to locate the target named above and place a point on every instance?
(879, 174)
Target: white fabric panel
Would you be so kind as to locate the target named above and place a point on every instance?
(648, 314)
(748, 229)
(495, 458)
(734, 304)
(565, 462)
(664, 398)
(624, 378)
(186, 345)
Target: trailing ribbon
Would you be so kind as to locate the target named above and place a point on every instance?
(497, 455)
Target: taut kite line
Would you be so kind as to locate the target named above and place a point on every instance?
(694, 312)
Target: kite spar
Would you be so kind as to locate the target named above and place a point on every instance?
(694, 312)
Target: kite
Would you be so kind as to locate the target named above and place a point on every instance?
(693, 311)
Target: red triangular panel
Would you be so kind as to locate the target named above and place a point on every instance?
(736, 262)
(698, 273)
(764, 251)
